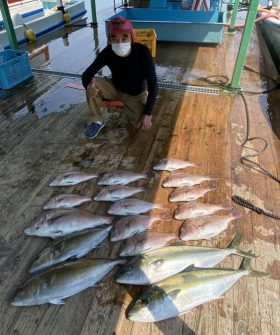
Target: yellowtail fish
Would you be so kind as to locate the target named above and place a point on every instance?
(63, 281)
(156, 265)
(182, 292)
(172, 164)
(73, 246)
(72, 178)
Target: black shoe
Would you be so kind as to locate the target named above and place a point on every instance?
(94, 128)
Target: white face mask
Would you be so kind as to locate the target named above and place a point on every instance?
(121, 49)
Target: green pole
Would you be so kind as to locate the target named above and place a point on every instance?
(244, 44)
(233, 17)
(8, 24)
(93, 13)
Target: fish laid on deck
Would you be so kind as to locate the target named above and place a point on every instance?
(73, 246)
(185, 179)
(187, 193)
(134, 207)
(164, 262)
(117, 192)
(172, 164)
(146, 241)
(180, 293)
(72, 178)
(65, 201)
(68, 223)
(206, 227)
(121, 177)
(134, 224)
(195, 209)
(63, 281)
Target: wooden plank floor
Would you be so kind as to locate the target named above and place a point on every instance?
(202, 128)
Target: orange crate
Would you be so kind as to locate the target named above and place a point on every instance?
(147, 37)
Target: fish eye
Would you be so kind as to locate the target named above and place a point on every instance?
(130, 268)
(144, 302)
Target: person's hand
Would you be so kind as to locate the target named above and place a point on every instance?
(146, 122)
(92, 89)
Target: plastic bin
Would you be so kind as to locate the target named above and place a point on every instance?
(14, 68)
(147, 37)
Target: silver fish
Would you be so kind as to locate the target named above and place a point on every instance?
(180, 293)
(133, 207)
(133, 224)
(120, 177)
(146, 241)
(194, 209)
(156, 265)
(189, 193)
(171, 164)
(65, 201)
(63, 281)
(185, 179)
(206, 227)
(51, 214)
(73, 246)
(72, 178)
(68, 223)
(116, 192)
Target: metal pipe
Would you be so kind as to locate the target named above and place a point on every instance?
(244, 44)
(233, 17)
(8, 24)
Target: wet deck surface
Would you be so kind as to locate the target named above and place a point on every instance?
(203, 128)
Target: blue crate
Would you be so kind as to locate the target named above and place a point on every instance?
(14, 68)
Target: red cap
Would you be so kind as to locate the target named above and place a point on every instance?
(120, 25)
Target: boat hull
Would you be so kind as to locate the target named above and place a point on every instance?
(270, 29)
(45, 24)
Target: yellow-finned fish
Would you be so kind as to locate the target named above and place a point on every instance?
(156, 265)
(180, 293)
(63, 281)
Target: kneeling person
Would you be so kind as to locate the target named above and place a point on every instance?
(133, 79)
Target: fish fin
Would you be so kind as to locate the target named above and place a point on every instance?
(246, 265)
(234, 245)
(174, 294)
(188, 268)
(56, 301)
(57, 232)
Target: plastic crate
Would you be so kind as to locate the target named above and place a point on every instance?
(147, 37)
(14, 68)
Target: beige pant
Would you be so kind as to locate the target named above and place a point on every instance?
(133, 105)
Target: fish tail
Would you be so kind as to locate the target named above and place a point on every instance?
(246, 265)
(162, 207)
(150, 175)
(164, 217)
(235, 245)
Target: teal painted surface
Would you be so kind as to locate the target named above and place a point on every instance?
(8, 24)
(14, 68)
(177, 25)
(244, 44)
(233, 17)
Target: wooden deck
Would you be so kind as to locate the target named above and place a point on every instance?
(203, 128)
